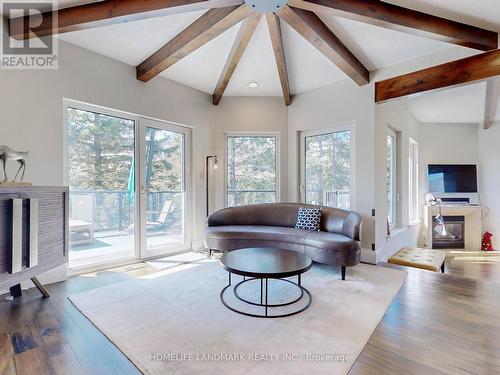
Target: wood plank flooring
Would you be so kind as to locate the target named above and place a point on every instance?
(437, 324)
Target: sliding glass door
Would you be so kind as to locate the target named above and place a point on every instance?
(326, 168)
(164, 188)
(128, 179)
(101, 163)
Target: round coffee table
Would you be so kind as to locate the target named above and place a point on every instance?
(264, 264)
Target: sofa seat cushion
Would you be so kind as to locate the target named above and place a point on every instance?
(330, 242)
(279, 234)
(262, 233)
(229, 232)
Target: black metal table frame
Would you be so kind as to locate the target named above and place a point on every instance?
(264, 298)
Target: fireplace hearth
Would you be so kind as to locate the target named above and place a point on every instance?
(448, 233)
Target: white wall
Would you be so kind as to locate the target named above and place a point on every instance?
(467, 144)
(395, 116)
(446, 144)
(489, 179)
(339, 103)
(249, 115)
(344, 102)
(32, 115)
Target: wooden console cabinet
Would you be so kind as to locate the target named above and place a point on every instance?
(33, 233)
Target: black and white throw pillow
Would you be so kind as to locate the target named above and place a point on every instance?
(309, 219)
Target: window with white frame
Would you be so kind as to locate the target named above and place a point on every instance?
(413, 181)
(391, 177)
(326, 171)
(252, 169)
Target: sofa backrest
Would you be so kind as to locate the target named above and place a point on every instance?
(333, 220)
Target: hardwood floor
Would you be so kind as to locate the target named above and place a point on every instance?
(440, 324)
(437, 324)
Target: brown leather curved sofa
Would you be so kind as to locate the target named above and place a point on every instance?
(273, 225)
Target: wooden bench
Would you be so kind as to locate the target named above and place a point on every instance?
(427, 259)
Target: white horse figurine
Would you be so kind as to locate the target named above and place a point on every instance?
(6, 153)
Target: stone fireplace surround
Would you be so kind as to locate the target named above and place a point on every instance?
(472, 215)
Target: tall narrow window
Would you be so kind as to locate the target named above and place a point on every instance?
(326, 173)
(252, 169)
(391, 178)
(413, 181)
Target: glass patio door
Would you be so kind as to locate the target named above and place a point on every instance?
(163, 188)
(101, 148)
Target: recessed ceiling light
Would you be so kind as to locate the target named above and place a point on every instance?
(253, 85)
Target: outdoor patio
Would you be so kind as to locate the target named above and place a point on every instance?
(102, 225)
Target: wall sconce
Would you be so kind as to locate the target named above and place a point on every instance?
(207, 182)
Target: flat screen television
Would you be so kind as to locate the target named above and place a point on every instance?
(452, 178)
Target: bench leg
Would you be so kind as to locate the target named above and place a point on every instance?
(342, 269)
(209, 253)
(40, 287)
(442, 268)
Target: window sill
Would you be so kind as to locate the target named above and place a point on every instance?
(395, 232)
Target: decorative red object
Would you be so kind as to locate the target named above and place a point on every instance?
(486, 244)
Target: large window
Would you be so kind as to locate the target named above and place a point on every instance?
(413, 181)
(326, 171)
(252, 169)
(391, 178)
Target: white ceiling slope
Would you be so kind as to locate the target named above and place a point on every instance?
(457, 105)
(480, 13)
(308, 69)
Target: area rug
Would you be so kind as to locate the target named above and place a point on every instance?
(173, 322)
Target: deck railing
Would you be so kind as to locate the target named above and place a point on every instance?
(244, 197)
(330, 198)
(115, 210)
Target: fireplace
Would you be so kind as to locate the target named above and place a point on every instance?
(452, 236)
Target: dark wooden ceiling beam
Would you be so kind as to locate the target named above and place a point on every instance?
(207, 27)
(240, 44)
(104, 13)
(394, 17)
(320, 36)
(463, 71)
(273, 24)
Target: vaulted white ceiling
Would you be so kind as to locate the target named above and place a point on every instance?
(457, 105)
(481, 13)
(308, 69)
(375, 47)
